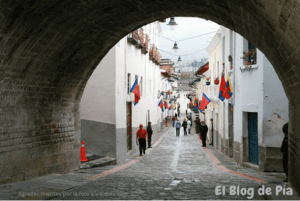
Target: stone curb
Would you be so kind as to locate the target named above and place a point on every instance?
(99, 163)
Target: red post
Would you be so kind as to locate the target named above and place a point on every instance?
(82, 153)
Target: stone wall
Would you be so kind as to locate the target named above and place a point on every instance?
(49, 49)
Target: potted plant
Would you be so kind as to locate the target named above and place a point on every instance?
(207, 81)
(216, 81)
(250, 55)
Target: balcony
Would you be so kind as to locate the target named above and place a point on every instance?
(133, 37)
(141, 43)
(154, 55)
(145, 48)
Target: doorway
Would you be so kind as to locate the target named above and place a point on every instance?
(230, 130)
(129, 126)
(253, 138)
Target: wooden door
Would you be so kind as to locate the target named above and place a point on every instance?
(129, 126)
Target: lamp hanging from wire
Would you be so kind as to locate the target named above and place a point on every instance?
(179, 59)
(172, 23)
(175, 48)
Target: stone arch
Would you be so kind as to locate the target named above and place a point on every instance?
(48, 50)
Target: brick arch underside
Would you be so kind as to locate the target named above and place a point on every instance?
(49, 49)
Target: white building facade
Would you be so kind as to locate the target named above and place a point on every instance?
(248, 125)
(109, 119)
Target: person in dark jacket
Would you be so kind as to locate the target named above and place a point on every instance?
(150, 132)
(184, 125)
(203, 133)
(285, 149)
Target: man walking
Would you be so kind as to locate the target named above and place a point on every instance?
(203, 133)
(178, 125)
(184, 125)
(150, 132)
(141, 135)
(173, 119)
(189, 126)
(285, 149)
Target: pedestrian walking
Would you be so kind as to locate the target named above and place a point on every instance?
(203, 133)
(175, 115)
(141, 136)
(189, 112)
(173, 119)
(184, 125)
(284, 149)
(189, 126)
(178, 125)
(150, 132)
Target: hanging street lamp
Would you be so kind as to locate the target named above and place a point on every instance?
(172, 23)
(179, 59)
(175, 48)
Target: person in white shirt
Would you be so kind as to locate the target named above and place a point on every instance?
(189, 126)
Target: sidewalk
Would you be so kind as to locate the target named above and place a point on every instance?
(267, 179)
(52, 185)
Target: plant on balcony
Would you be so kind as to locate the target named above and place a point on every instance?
(230, 61)
(216, 81)
(207, 81)
(249, 57)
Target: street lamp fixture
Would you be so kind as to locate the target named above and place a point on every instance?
(172, 23)
(175, 48)
(179, 59)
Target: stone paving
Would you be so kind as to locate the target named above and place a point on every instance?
(175, 168)
(178, 168)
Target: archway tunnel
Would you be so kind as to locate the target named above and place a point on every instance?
(49, 49)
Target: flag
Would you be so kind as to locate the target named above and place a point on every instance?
(196, 104)
(222, 88)
(205, 101)
(228, 88)
(161, 105)
(166, 105)
(135, 89)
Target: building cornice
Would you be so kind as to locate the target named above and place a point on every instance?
(213, 43)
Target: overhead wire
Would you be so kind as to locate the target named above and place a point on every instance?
(182, 39)
(181, 54)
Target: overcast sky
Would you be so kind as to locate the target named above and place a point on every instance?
(187, 27)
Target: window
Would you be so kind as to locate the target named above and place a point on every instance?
(218, 70)
(252, 53)
(141, 86)
(223, 49)
(154, 88)
(128, 83)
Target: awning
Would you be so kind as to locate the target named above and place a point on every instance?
(202, 69)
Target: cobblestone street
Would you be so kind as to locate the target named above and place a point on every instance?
(175, 168)
(178, 168)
